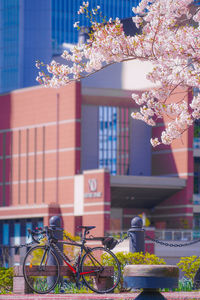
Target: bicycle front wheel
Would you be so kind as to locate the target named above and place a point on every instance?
(100, 270)
(41, 269)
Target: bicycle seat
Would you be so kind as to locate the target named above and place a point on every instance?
(87, 227)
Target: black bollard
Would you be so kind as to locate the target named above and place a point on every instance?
(136, 233)
(55, 224)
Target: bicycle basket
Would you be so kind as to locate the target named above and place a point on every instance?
(109, 242)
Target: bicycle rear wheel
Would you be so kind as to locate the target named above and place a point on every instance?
(100, 270)
(41, 269)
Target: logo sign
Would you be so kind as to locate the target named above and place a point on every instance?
(92, 184)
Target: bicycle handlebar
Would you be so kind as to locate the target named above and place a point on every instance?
(46, 231)
(33, 233)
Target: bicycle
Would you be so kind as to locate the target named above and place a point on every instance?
(42, 263)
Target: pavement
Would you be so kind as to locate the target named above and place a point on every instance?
(122, 296)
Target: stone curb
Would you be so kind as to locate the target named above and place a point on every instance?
(130, 296)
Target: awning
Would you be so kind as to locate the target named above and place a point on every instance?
(143, 191)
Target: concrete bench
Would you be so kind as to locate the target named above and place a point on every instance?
(20, 286)
(151, 278)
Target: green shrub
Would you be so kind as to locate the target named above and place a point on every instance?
(185, 285)
(189, 266)
(6, 280)
(138, 258)
(71, 288)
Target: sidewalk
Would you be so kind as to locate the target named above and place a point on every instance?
(130, 296)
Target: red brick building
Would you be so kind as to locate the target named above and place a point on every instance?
(75, 152)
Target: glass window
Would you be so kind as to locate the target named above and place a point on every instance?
(17, 233)
(114, 139)
(177, 235)
(196, 221)
(196, 175)
(168, 235)
(28, 237)
(187, 236)
(6, 234)
(197, 129)
(40, 224)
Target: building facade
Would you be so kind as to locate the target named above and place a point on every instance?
(75, 152)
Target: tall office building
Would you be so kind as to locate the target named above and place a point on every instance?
(25, 36)
(64, 14)
(9, 41)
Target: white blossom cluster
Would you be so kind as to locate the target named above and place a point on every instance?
(169, 39)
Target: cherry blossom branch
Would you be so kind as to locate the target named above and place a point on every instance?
(169, 40)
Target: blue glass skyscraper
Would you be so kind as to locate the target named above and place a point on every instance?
(9, 41)
(25, 36)
(64, 15)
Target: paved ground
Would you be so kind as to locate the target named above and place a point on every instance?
(169, 296)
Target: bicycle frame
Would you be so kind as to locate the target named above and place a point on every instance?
(76, 269)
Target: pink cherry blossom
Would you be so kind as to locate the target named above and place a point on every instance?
(169, 39)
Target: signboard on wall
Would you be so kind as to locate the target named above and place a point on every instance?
(92, 186)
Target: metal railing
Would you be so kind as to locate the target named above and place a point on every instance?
(166, 234)
(177, 235)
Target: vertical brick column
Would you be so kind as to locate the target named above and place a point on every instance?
(97, 200)
(175, 160)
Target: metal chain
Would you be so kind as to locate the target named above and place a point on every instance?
(123, 239)
(172, 245)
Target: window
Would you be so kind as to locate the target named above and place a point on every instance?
(196, 175)
(5, 234)
(197, 129)
(196, 221)
(17, 233)
(6, 241)
(28, 237)
(114, 139)
(40, 224)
